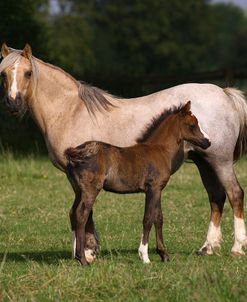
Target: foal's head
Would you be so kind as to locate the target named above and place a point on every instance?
(190, 128)
(19, 76)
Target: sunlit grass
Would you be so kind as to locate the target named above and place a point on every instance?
(35, 251)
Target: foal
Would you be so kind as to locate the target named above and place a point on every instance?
(145, 167)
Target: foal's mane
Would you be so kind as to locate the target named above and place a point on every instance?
(156, 122)
(95, 99)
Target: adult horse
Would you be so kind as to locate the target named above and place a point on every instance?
(69, 113)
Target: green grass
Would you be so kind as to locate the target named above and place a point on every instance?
(35, 251)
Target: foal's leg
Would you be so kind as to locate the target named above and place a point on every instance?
(83, 212)
(151, 215)
(92, 242)
(158, 223)
(217, 196)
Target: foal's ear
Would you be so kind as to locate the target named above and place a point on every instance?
(186, 108)
(5, 50)
(27, 51)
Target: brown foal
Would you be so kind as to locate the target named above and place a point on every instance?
(145, 167)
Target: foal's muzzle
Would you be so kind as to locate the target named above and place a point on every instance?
(205, 143)
(14, 105)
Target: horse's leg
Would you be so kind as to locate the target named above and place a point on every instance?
(150, 201)
(92, 240)
(72, 216)
(235, 195)
(217, 196)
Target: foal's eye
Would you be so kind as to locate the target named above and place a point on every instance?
(192, 127)
(28, 74)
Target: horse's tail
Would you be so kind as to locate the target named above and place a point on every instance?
(239, 102)
(82, 153)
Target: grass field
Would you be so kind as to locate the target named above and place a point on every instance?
(35, 245)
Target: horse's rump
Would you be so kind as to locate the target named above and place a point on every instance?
(238, 99)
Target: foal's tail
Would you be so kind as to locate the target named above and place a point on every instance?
(239, 101)
(73, 155)
(82, 153)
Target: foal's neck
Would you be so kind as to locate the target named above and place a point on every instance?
(167, 133)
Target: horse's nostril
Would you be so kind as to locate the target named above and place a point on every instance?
(18, 101)
(9, 101)
(14, 105)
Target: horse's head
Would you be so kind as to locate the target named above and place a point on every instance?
(190, 128)
(16, 71)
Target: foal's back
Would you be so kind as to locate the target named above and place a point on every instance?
(121, 170)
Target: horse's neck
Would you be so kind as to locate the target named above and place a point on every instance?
(56, 94)
(167, 135)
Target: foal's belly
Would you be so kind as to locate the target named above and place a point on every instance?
(122, 185)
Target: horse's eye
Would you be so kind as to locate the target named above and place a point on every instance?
(28, 74)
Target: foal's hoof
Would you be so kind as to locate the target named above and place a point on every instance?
(82, 261)
(163, 255)
(165, 258)
(204, 252)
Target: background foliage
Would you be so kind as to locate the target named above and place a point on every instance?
(129, 47)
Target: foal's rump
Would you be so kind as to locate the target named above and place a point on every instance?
(82, 152)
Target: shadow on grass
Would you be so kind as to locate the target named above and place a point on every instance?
(54, 257)
(49, 257)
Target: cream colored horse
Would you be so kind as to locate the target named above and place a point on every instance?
(69, 113)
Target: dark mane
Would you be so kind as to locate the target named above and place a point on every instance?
(155, 123)
(94, 98)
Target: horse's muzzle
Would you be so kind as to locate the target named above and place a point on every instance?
(205, 143)
(14, 105)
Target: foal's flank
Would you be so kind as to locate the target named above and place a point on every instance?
(145, 167)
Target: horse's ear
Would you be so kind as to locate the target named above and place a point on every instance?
(186, 108)
(27, 51)
(5, 50)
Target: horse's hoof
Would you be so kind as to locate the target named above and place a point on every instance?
(237, 253)
(90, 255)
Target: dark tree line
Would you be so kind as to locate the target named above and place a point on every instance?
(120, 45)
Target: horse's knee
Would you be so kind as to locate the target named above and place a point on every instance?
(238, 194)
(236, 197)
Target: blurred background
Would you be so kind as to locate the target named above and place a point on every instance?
(128, 47)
